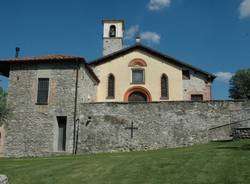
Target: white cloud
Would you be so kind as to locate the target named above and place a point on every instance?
(158, 4)
(244, 9)
(150, 37)
(223, 76)
(131, 32)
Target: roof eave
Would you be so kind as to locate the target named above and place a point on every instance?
(5, 65)
(102, 60)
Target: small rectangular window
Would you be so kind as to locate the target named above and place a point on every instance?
(43, 91)
(185, 74)
(137, 76)
(197, 97)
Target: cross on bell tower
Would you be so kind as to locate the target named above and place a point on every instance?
(112, 36)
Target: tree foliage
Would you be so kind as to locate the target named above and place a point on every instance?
(3, 105)
(240, 85)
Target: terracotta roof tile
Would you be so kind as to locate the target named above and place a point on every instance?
(5, 63)
(45, 58)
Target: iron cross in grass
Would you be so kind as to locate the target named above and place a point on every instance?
(131, 128)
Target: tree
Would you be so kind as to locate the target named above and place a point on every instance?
(3, 105)
(240, 85)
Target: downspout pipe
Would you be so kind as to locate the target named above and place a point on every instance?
(75, 109)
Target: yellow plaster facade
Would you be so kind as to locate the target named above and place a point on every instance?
(119, 67)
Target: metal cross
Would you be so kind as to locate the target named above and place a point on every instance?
(132, 128)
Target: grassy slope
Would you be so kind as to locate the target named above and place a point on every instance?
(218, 163)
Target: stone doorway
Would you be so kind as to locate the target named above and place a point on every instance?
(61, 141)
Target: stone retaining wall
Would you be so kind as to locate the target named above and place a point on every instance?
(104, 127)
(238, 119)
(163, 124)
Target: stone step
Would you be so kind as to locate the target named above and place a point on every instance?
(223, 140)
(3, 179)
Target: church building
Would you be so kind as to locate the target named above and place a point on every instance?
(140, 73)
(46, 92)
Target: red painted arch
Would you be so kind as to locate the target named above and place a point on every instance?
(137, 89)
(137, 62)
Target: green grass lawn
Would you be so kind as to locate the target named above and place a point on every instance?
(218, 163)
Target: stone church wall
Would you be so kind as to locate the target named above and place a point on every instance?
(32, 129)
(104, 126)
(87, 88)
(1, 139)
(196, 85)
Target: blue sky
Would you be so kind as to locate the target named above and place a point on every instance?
(213, 35)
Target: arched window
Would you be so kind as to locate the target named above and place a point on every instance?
(164, 87)
(112, 31)
(111, 86)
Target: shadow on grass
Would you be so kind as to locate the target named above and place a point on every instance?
(245, 147)
(226, 140)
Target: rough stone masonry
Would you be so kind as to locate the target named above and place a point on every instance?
(32, 129)
(3, 179)
(106, 127)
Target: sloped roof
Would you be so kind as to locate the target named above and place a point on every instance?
(6, 63)
(137, 46)
(43, 58)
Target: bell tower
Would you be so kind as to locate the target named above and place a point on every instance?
(112, 36)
